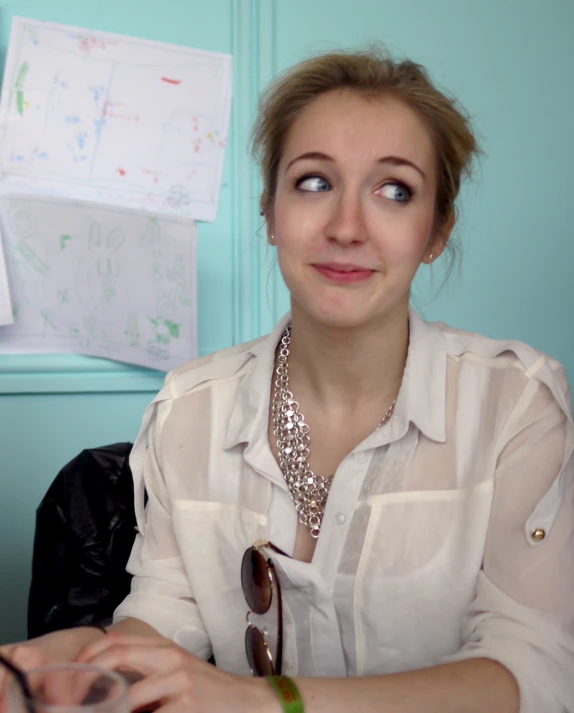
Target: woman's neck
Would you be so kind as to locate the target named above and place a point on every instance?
(348, 366)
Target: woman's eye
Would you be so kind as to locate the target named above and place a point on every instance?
(396, 192)
(315, 184)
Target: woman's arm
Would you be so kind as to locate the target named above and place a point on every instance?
(130, 625)
(183, 682)
(477, 686)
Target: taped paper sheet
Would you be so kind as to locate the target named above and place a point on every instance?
(118, 120)
(6, 315)
(99, 281)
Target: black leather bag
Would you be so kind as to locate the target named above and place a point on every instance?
(85, 529)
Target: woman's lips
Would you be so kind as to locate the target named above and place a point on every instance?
(343, 273)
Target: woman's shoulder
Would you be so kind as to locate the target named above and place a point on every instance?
(517, 360)
(219, 365)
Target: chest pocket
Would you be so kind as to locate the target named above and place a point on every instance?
(212, 538)
(416, 575)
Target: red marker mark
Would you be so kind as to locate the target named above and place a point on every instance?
(171, 81)
(121, 171)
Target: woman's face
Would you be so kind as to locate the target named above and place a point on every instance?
(353, 213)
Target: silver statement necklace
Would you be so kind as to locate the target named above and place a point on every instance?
(309, 491)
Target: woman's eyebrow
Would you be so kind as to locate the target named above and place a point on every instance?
(395, 160)
(311, 154)
(398, 161)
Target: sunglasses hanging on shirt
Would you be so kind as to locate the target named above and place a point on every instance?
(259, 580)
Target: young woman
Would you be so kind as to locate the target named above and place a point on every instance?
(415, 481)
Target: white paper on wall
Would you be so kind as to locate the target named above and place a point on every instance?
(118, 120)
(99, 281)
(6, 315)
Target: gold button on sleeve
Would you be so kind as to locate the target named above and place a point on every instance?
(538, 535)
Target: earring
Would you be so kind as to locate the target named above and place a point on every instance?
(431, 257)
(272, 239)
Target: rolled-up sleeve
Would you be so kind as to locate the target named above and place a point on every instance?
(523, 611)
(161, 594)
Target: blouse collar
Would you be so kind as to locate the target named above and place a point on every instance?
(421, 399)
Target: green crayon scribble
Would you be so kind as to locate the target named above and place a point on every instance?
(173, 328)
(63, 296)
(64, 239)
(32, 258)
(24, 67)
(166, 330)
(47, 321)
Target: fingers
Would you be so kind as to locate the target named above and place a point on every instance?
(169, 672)
(89, 652)
(162, 666)
(176, 707)
(25, 657)
(161, 657)
(163, 689)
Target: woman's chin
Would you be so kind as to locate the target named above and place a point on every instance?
(338, 318)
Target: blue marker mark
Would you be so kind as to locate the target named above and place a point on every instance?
(81, 139)
(99, 124)
(73, 119)
(96, 92)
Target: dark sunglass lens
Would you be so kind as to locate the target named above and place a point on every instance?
(257, 653)
(255, 581)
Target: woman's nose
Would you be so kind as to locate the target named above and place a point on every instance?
(346, 224)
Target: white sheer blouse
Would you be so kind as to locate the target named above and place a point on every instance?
(448, 533)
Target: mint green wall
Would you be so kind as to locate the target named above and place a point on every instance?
(509, 62)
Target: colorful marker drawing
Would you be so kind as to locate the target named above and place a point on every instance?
(114, 284)
(85, 115)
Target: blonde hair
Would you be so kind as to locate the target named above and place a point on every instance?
(370, 73)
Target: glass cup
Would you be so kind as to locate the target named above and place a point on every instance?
(71, 688)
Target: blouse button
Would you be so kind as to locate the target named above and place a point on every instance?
(538, 535)
(340, 518)
(360, 457)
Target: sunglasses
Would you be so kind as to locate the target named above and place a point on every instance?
(258, 576)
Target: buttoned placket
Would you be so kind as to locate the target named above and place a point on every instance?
(311, 585)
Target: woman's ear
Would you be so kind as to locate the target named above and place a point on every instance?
(267, 214)
(440, 238)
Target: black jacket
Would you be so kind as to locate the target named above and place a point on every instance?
(85, 529)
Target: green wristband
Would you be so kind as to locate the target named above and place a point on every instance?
(288, 693)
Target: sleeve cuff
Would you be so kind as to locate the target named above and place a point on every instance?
(176, 619)
(529, 643)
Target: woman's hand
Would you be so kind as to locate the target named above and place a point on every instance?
(174, 681)
(51, 648)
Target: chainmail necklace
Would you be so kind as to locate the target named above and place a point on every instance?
(308, 490)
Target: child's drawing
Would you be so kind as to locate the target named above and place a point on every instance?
(28, 255)
(99, 281)
(115, 119)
